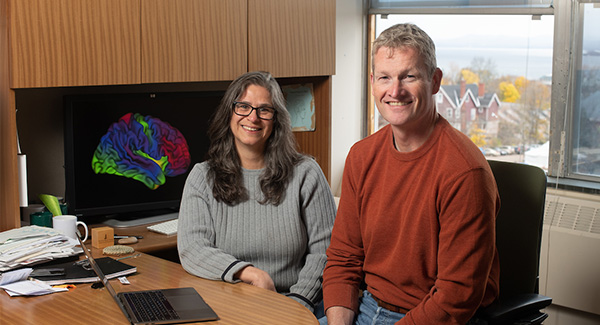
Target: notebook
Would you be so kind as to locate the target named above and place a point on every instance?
(164, 306)
(78, 272)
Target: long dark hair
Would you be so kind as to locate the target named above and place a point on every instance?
(281, 153)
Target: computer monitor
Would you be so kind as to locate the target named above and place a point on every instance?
(127, 156)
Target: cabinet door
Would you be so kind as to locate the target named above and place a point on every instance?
(292, 38)
(74, 42)
(193, 40)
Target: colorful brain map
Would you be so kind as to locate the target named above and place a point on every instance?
(143, 148)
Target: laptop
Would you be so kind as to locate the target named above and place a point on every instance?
(164, 306)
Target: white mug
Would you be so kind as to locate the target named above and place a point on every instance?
(68, 224)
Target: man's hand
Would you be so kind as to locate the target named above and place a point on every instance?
(338, 315)
(256, 277)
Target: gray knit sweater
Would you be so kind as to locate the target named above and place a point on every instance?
(287, 241)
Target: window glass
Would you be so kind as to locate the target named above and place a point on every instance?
(497, 79)
(586, 129)
(387, 4)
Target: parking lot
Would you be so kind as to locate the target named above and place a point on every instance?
(510, 158)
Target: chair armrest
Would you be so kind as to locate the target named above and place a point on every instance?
(513, 308)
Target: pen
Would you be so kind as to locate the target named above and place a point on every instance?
(130, 256)
(125, 236)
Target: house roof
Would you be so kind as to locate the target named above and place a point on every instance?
(452, 93)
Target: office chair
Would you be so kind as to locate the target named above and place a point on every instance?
(522, 190)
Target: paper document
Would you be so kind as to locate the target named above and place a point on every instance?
(34, 244)
(30, 288)
(15, 276)
(15, 283)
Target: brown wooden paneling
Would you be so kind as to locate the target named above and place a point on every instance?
(9, 197)
(74, 42)
(193, 40)
(292, 38)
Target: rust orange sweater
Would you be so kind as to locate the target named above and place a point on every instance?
(418, 228)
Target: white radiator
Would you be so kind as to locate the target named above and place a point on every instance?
(570, 255)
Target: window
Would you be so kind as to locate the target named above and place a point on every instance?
(575, 146)
(496, 70)
(462, 4)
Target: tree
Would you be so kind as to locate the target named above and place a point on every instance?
(530, 112)
(508, 92)
(469, 76)
(485, 69)
(452, 76)
(535, 103)
(509, 133)
(477, 135)
(521, 83)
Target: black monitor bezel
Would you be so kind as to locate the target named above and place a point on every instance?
(127, 210)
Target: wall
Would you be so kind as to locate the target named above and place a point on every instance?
(348, 102)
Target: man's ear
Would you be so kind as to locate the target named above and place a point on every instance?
(436, 81)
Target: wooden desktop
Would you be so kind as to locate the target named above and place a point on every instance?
(151, 242)
(238, 303)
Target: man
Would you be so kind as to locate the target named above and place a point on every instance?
(416, 220)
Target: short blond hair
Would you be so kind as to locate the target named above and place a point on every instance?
(407, 35)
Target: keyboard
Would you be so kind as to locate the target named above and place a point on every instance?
(165, 228)
(150, 306)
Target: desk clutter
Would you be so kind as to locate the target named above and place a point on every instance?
(32, 245)
(34, 260)
(81, 271)
(51, 278)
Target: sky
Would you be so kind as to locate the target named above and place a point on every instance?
(516, 44)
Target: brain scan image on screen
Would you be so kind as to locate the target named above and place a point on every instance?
(143, 148)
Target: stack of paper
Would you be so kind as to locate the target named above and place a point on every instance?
(16, 284)
(33, 244)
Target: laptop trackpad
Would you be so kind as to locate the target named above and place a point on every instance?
(189, 304)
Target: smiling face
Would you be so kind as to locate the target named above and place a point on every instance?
(250, 132)
(403, 90)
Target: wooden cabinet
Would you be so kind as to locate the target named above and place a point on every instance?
(193, 40)
(292, 38)
(56, 43)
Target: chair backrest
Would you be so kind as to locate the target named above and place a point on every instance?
(522, 190)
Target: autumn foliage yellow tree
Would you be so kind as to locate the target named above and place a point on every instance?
(477, 135)
(469, 76)
(508, 92)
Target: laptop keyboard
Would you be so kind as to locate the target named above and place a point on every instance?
(150, 306)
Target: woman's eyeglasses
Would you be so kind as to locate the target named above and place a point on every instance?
(243, 109)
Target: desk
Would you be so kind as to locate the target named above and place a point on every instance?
(151, 242)
(238, 303)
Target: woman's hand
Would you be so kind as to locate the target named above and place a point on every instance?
(256, 277)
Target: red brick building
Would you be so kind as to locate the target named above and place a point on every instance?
(468, 106)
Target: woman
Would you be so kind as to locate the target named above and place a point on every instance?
(256, 211)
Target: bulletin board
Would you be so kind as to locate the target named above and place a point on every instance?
(301, 106)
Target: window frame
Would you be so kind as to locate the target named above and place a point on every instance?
(566, 56)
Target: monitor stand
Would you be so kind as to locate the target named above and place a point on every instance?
(118, 223)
